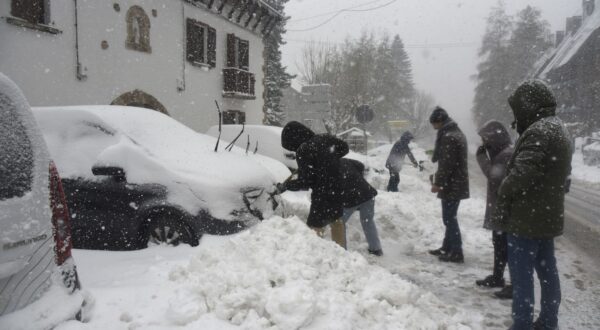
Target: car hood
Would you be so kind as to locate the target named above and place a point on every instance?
(153, 148)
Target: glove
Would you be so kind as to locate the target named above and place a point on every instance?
(280, 187)
(421, 167)
(481, 150)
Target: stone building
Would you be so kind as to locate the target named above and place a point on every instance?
(572, 69)
(310, 106)
(173, 56)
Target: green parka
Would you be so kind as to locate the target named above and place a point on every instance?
(531, 197)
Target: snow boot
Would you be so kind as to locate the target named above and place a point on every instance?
(505, 293)
(491, 282)
(437, 252)
(456, 257)
(378, 253)
(538, 325)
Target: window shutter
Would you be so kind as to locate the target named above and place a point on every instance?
(29, 10)
(231, 41)
(212, 47)
(190, 40)
(244, 54)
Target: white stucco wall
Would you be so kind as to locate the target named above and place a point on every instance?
(44, 65)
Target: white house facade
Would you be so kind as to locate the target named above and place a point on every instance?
(174, 56)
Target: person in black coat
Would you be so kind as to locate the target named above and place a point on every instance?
(318, 157)
(450, 182)
(493, 157)
(395, 159)
(358, 194)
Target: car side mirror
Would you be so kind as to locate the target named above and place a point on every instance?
(116, 172)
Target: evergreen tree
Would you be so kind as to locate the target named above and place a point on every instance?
(386, 85)
(276, 77)
(493, 77)
(405, 86)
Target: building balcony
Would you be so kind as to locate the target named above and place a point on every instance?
(238, 84)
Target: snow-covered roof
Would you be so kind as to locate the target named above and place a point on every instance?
(571, 44)
(354, 131)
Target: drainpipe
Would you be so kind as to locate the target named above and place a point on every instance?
(81, 71)
(181, 81)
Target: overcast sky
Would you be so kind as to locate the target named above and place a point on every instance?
(442, 37)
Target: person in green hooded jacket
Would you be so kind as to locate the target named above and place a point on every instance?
(530, 204)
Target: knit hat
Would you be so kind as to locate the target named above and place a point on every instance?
(438, 115)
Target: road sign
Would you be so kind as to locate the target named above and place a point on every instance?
(364, 114)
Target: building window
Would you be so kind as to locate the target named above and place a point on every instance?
(309, 123)
(239, 82)
(238, 52)
(201, 43)
(234, 117)
(33, 11)
(138, 30)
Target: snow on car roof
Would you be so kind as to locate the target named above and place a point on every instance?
(153, 148)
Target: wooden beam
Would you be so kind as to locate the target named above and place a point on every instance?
(263, 13)
(234, 6)
(251, 14)
(210, 4)
(223, 3)
(266, 25)
(242, 11)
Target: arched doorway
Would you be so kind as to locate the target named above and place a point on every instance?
(138, 98)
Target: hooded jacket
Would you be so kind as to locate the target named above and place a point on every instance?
(355, 189)
(399, 151)
(318, 157)
(531, 196)
(493, 162)
(450, 153)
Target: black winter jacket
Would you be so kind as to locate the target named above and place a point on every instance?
(355, 189)
(399, 151)
(318, 158)
(450, 153)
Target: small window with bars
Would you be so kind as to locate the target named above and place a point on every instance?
(32, 11)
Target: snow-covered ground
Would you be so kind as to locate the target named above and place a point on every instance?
(582, 172)
(279, 275)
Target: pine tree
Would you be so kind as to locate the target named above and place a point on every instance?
(493, 77)
(276, 77)
(403, 70)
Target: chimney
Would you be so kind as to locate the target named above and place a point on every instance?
(573, 24)
(560, 36)
(588, 8)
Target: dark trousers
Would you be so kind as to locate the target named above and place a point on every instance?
(394, 181)
(500, 253)
(452, 239)
(525, 255)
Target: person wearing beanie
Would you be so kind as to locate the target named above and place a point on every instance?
(396, 158)
(318, 157)
(493, 156)
(450, 182)
(530, 204)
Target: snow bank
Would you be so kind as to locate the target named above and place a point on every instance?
(280, 275)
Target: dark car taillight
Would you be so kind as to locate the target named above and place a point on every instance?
(61, 225)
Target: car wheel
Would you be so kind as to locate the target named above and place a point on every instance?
(170, 231)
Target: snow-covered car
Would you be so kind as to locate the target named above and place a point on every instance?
(265, 140)
(39, 285)
(134, 176)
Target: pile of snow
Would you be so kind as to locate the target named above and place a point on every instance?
(280, 275)
(153, 148)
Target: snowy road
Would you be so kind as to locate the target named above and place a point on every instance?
(582, 220)
(278, 275)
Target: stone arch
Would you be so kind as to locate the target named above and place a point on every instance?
(138, 30)
(138, 98)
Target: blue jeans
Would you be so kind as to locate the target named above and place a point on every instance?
(523, 256)
(367, 214)
(452, 239)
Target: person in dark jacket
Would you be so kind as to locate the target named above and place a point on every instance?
(530, 204)
(450, 182)
(359, 195)
(493, 157)
(395, 159)
(318, 157)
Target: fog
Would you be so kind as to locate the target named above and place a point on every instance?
(442, 37)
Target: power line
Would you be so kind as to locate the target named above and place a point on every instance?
(444, 45)
(332, 12)
(339, 13)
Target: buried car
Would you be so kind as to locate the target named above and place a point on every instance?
(134, 176)
(39, 285)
